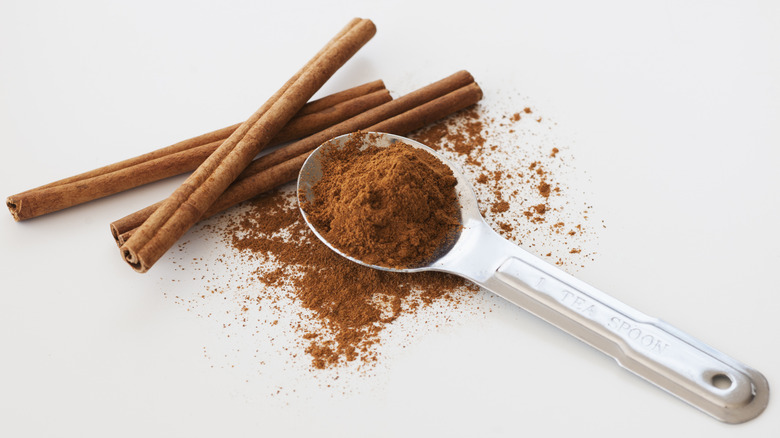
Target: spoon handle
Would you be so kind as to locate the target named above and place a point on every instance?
(676, 362)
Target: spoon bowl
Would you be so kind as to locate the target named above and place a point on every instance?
(650, 348)
(470, 218)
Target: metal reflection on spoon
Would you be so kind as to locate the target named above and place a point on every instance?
(650, 348)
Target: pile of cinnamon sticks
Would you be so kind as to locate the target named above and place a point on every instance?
(226, 170)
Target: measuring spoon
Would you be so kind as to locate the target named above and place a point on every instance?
(650, 348)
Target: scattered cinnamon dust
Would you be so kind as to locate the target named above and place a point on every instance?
(544, 189)
(354, 303)
(500, 186)
(499, 207)
(466, 139)
(344, 307)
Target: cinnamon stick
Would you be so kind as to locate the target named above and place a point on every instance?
(265, 174)
(362, 121)
(326, 102)
(188, 203)
(186, 155)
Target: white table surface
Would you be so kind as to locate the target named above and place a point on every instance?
(673, 109)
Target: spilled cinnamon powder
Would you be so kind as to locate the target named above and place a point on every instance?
(354, 303)
(336, 311)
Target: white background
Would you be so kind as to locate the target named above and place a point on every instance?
(675, 111)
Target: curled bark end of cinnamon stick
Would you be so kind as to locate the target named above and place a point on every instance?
(13, 207)
(124, 236)
(132, 259)
(115, 234)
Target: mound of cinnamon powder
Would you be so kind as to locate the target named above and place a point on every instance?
(389, 206)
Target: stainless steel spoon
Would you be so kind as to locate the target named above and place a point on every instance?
(674, 361)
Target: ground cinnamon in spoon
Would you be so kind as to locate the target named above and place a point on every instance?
(390, 206)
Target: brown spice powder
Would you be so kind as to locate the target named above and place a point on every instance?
(500, 206)
(352, 304)
(544, 189)
(389, 206)
(352, 301)
(467, 139)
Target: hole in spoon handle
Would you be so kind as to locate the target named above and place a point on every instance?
(691, 370)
